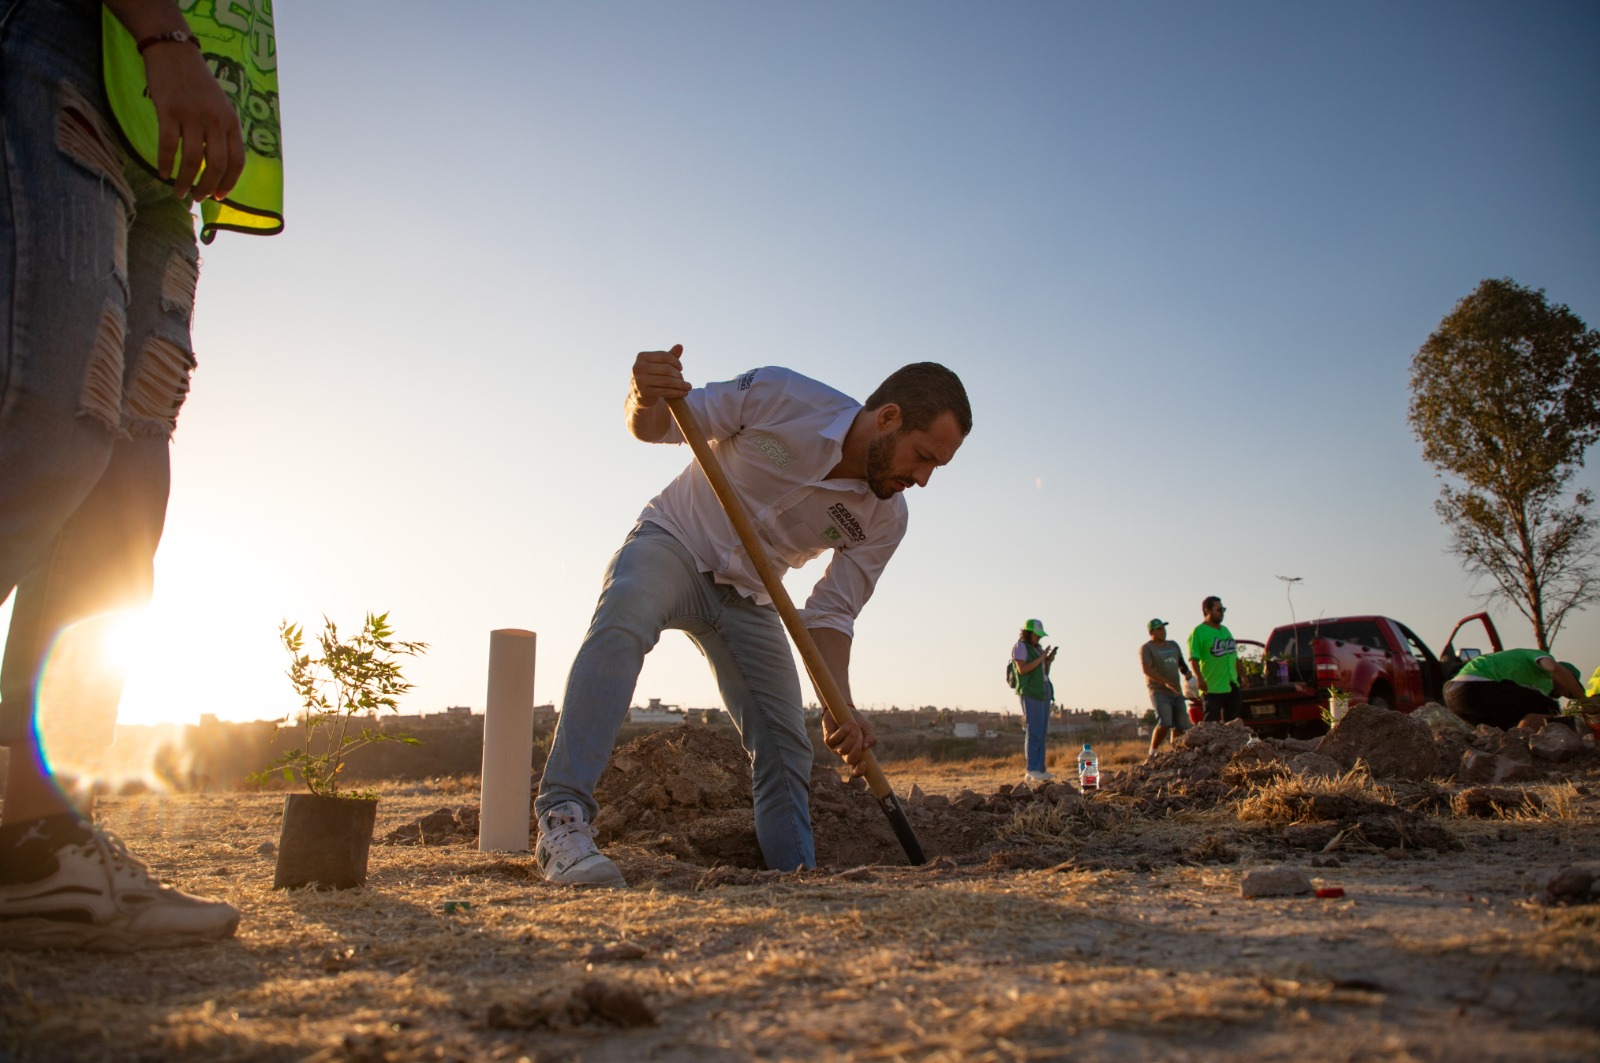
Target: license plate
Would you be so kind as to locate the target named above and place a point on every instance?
(1262, 710)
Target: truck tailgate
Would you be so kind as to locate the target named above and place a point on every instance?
(1278, 702)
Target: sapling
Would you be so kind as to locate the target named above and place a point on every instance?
(355, 678)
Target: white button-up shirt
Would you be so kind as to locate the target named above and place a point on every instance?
(777, 434)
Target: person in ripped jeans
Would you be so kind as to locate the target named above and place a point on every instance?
(98, 266)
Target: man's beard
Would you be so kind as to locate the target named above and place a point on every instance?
(880, 462)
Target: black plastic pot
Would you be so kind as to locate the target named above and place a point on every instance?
(324, 842)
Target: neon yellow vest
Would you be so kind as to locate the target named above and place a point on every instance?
(239, 46)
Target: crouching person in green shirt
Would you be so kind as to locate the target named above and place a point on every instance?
(1503, 689)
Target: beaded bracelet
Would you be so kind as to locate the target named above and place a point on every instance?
(176, 35)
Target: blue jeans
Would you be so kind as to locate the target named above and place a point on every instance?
(1036, 723)
(1171, 710)
(652, 585)
(97, 276)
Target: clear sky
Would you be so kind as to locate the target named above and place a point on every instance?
(1181, 255)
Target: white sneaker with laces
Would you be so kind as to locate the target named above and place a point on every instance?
(1038, 776)
(102, 897)
(566, 851)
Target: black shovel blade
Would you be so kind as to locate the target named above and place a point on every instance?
(902, 828)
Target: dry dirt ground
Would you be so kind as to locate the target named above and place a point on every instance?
(1048, 925)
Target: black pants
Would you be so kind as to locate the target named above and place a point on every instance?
(1498, 703)
(1220, 708)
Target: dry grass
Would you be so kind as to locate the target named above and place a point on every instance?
(1435, 959)
(1281, 800)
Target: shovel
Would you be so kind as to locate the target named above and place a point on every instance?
(832, 697)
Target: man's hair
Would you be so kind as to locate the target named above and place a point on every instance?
(923, 391)
(1211, 599)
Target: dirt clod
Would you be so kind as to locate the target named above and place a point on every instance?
(1274, 882)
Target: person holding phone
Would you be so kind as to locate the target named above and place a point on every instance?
(1033, 663)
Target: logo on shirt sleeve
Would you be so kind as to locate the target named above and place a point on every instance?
(745, 381)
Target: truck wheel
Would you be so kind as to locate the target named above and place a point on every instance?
(1380, 699)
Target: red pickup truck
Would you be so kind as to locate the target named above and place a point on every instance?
(1374, 659)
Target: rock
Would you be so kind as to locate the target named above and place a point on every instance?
(564, 1007)
(1479, 767)
(1275, 882)
(1315, 765)
(967, 801)
(936, 802)
(441, 821)
(1518, 771)
(1476, 766)
(620, 952)
(916, 796)
(1063, 793)
(1555, 743)
(1577, 884)
(1217, 737)
(1314, 836)
(1391, 744)
(683, 791)
(1493, 801)
(609, 823)
(266, 848)
(1449, 747)
(1441, 720)
(1512, 744)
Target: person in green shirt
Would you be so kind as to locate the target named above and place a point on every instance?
(1215, 658)
(1504, 689)
(1033, 688)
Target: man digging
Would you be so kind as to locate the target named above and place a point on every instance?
(818, 471)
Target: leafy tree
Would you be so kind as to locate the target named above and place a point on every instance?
(1505, 398)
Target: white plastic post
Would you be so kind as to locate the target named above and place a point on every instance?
(507, 786)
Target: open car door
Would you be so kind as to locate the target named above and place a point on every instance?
(1451, 659)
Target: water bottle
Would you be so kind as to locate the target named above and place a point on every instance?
(1088, 770)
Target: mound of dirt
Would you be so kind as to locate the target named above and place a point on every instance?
(447, 826)
(682, 795)
(685, 791)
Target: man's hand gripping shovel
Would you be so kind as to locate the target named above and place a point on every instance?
(832, 698)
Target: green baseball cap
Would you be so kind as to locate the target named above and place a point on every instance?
(1036, 627)
(1152, 625)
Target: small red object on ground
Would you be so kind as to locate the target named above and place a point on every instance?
(1331, 891)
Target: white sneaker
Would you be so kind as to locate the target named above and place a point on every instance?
(566, 851)
(102, 897)
(1038, 776)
